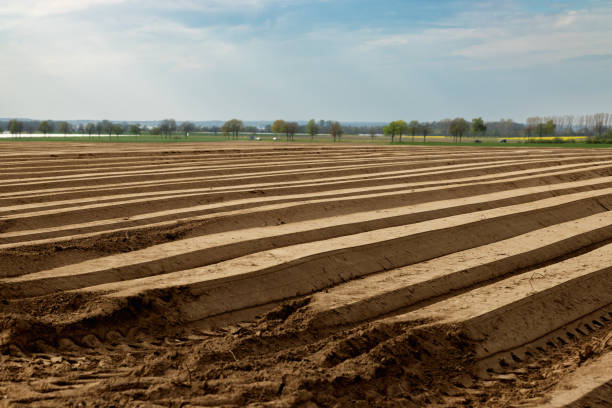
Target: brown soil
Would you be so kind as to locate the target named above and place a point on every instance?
(278, 275)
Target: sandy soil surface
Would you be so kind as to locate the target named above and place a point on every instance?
(242, 274)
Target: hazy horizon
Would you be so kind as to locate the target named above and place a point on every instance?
(352, 61)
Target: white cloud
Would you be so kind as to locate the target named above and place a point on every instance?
(39, 8)
(426, 37)
(567, 19)
(493, 38)
(143, 59)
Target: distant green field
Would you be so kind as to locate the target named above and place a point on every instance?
(122, 138)
(195, 137)
(211, 137)
(512, 144)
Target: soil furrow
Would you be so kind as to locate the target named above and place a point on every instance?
(304, 275)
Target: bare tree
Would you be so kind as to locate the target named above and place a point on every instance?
(168, 127)
(569, 123)
(372, 132)
(600, 121)
(443, 126)
(458, 128)
(413, 128)
(312, 129)
(186, 128)
(64, 128)
(232, 128)
(425, 128)
(44, 127)
(291, 129)
(90, 128)
(335, 129)
(15, 127)
(279, 126)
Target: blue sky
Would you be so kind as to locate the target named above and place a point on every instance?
(349, 60)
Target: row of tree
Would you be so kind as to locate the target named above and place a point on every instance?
(597, 125)
(167, 128)
(46, 127)
(400, 128)
(232, 128)
(457, 128)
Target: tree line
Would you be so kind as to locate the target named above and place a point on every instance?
(598, 125)
(595, 126)
(232, 128)
(167, 128)
(457, 128)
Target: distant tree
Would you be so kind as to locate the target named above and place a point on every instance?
(30, 126)
(540, 129)
(335, 129)
(397, 127)
(413, 128)
(167, 127)
(570, 124)
(531, 126)
(118, 129)
(505, 127)
(44, 127)
(279, 126)
(402, 128)
(541, 126)
(155, 131)
(164, 128)
(458, 128)
(372, 131)
(425, 129)
(550, 127)
(478, 126)
(390, 130)
(81, 129)
(135, 129)
(99, 129)
(90, 128)
(237, 126)
(442, 127)
(225, 129)
(15, 126)
(64, 128)
(186, 128)
(312, 129)
(599, 123)
(232, 128)
(252, 130)
(291, 129)
(106, 126)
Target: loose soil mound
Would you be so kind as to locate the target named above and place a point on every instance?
(304, 276)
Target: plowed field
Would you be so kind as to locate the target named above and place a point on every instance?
(192, 275)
